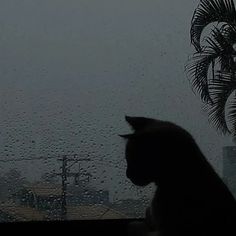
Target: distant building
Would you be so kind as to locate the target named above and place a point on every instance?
(41, 196)
(11, 213)
(229, 167)
(87, 195)
(47, 198)
(43, 201)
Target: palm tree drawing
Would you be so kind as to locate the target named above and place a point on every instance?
(212, 68)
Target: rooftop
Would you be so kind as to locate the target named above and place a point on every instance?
(22, 213)
(44, 189)
(93, 212)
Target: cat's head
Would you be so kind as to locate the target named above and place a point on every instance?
(151, 148)
(138, 124)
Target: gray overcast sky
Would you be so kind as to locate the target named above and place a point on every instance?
(71, 69)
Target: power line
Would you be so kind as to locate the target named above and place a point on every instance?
(65, 174)
(34, 158)
(28, 159)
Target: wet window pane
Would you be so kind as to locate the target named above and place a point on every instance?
(69, 73)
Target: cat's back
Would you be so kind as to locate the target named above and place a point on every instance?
(178, 217)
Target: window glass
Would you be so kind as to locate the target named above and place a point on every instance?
(69, 73)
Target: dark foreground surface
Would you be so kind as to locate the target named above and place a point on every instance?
(93, 227)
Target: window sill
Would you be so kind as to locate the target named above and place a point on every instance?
(106, 227)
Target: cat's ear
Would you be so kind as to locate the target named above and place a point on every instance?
(138, 123)
(131, 136)
(126, 136)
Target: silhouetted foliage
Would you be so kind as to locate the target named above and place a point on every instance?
(212, 68)
(10, 183)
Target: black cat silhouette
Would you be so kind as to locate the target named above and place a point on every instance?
(191, 199)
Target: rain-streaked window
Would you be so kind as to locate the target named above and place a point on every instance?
(69, 73)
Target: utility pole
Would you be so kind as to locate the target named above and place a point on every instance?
(64, 188)
(64, 175)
